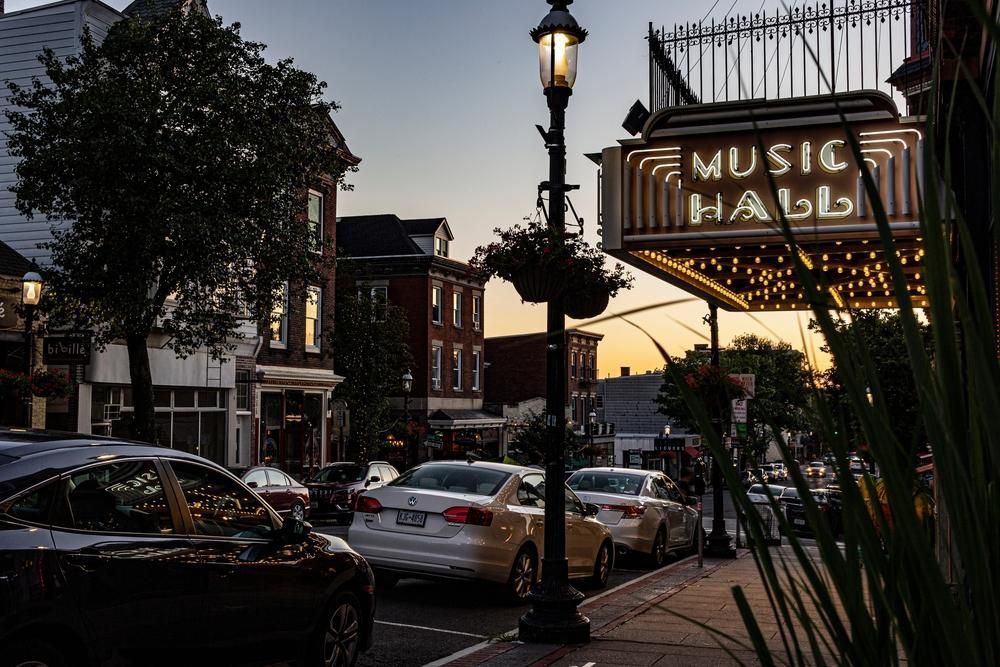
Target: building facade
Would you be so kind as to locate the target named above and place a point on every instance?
(407, 263)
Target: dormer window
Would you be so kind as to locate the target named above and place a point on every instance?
(440, 246)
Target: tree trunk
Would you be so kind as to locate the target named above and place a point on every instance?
(143, 423)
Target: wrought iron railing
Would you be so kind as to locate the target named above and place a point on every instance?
(826, 47)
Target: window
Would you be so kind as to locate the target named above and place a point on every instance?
(593, 371)
(120, 497)
(572, 407)
(219, 506)
(257, 479)
(243, 390)
(475, 369)
(528, 493)
(572, 366)
(314, 307)
(276, 478)
(440, 246)
(380, 297)
(437, 305)
(436, 367)
(456, 369)
(462, 479)
(279, 319)
(477, 312)
(34, 506)
(456, 309)
(316, 220)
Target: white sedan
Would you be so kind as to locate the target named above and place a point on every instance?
(644, 509)
(475, 520)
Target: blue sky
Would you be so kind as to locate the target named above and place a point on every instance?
(440, 98)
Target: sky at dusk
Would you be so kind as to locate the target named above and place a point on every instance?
(440, 97)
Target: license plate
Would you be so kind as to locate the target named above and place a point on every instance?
(799, 522)
(408, 518)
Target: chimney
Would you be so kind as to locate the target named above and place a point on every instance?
(626, 371)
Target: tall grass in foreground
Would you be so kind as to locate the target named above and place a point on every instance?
(885, 596)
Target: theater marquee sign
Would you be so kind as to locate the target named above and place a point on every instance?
(698, 200)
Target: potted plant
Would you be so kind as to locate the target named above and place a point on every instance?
(51, 384)
(543, 267)
(13, 383)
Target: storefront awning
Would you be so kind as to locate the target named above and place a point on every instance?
(455, 420)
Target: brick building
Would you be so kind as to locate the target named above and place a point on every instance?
(517, 372)
(407, 263)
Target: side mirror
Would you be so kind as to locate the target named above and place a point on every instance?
(375, 478)
(252, 485)
(294, 531)
(590, 509)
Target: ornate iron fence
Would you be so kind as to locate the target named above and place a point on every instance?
(826, 47)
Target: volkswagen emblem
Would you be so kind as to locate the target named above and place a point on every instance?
(411, 501)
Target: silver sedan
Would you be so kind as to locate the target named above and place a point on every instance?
(644, 509)
(485, 521)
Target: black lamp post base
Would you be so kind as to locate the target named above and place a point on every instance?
(719, 545)
(554, 619)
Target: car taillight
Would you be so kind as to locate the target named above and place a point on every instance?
(628, 511)
(472, 516)
(367, 505)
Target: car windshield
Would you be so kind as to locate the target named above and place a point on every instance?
(456, 478)
(817, 464)
(790, 492)
(606, 482)
(758, 489)
(341, 473)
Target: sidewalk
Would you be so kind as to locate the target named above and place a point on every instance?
(633, 625)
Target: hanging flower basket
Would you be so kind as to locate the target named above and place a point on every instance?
(590, 301)
(13, 383)
(50, 384)
(535, 284)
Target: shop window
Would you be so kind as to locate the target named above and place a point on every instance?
(184, 398)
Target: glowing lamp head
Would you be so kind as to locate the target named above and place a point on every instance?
(558, 37)
(407, 382)
(31, 288)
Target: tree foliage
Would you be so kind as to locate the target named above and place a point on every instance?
(180, 159)
(781, 389)
(879, 336)
(370, 337)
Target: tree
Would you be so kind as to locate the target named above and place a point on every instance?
(531, 440)
(181, 160)
(370, 337)
(781, 388)
(877, 336)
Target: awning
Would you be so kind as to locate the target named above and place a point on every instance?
(693, 452)
(457, 420)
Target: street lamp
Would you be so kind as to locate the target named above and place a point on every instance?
(554, 617)
(407, 388)
(31, 296)
(870, 396)
(590, 429)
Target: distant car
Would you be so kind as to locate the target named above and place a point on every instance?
(816, 469)
(769, 474)
(280, 491)
(474, 521)
(780, 470)
(334, 488)
(644, 509)
(828, 503)
(128, 554)
(829, 459)
(748, 479)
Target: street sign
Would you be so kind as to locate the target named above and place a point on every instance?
(635, 458)
(66, 350)
(434, 441)
(746, 380)
(740, 411)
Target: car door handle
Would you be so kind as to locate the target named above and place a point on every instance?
(86, 563)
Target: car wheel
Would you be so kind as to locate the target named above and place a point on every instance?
(340, 632)
(523, 574)
(298, 512)
(33, 653)
(658, 555)
(602, 566)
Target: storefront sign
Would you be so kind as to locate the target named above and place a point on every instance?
(740, 411)
(434, 441)
(8, 314)
(66, 350)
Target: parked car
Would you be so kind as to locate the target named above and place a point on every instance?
(474, 520)
(758, 493)
(644, 509)
(280, 491)
(828, 503)
(816, 469)
(334, 488)
(122, 553)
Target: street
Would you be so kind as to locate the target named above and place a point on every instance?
(428, 620)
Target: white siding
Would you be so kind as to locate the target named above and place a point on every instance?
(23, 35)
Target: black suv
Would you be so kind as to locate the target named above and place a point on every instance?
(123, 553)
(334, 490)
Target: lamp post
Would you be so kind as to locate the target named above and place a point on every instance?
(590, 430)
(554, 617)
(31, 296)
(407, 388)
(720, 543)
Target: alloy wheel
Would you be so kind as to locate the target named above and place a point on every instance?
(523, 576)
(340, 642)
(603, 567)
(298, 512)
(659, 549)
